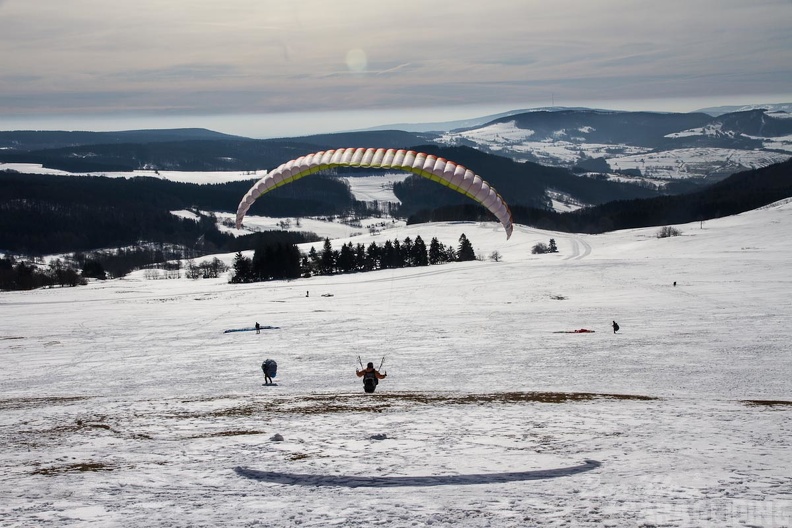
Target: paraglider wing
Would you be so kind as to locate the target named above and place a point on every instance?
(440, 170)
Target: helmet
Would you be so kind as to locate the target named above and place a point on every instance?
(370, 365)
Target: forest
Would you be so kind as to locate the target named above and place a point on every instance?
(738, 193)
(42, 214)
(111, 226)
(284, 261)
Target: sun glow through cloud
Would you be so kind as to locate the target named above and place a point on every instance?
(245, 57)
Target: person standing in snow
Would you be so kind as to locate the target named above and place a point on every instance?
(615, 326)
(269, 367)
(258, 328)
(371, 377)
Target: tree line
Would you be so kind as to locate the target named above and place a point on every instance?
(20, 275)
(738, 193)
(44, 214)
(284, 261)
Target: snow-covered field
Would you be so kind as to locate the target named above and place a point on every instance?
(509, 140)
(695, 162)
(124, 403)
(197, 177)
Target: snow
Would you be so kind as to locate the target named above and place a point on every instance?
(329, 227)
(376, 188)
(124, 403)
(507, 138)
(778, 143)
(695, 162)
(658, 167)
(709, 130)
(507, 131)
(196, 177)
(563, 202)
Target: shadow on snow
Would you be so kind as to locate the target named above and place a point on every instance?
(304, 479)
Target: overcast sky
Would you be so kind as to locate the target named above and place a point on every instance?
(171, 58)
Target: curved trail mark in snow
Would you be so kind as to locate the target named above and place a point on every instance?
(576, 252)
(341, 481)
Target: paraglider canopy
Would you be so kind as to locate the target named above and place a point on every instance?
(440, 170)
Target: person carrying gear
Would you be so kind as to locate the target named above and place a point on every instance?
(270, 368)
(371, 377)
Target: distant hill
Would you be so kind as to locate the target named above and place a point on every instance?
(527, 184)
(365, 139)
(597, 155)
(171, 150)
(27, 140)
(772, 107)
(43, 214)
(738, 193)
(642, 146)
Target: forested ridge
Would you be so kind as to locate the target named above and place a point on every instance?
(736, 194)
(42, 214)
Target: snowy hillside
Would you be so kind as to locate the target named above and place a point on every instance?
(718, 147)
(124, 403)
(696, 162)
(196, 177)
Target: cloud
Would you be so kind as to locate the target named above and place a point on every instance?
(297, 55)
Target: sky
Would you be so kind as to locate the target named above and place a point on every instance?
(263, 68)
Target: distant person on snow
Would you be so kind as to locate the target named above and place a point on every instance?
(371, 377)
(615, 326)
(258, 328)
(270, 368)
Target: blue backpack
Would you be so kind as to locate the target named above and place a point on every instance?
(270, 368)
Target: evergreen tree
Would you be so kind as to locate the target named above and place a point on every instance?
(387, 259)
(436, 252)
(553, 247)
(260, 267)
(360, 257)
(287, 262)
(305, 267)
(373, 257)
(294, 262)
(314, 261)
(346, 259)
(418, 255)
(465, 251)
(407, 252)
(328, 262)
(398, 254)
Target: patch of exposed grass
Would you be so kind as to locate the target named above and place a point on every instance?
(323, 404)
(319, 404)
(508, 397)
(71, 468)
(27, 403)
(227, 433)
(231, 412)
(767, 403)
